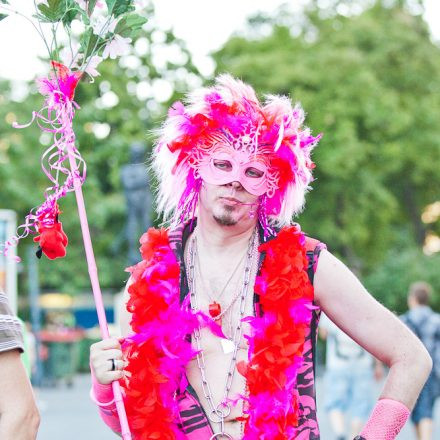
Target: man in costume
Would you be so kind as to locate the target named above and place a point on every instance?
(222, 311)
(19, 417)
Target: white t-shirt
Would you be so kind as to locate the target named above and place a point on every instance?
(342, 351)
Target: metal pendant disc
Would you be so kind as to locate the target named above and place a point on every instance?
(220, 435)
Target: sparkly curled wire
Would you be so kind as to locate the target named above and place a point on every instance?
(268, 230)
(58, 122)
(187, 206)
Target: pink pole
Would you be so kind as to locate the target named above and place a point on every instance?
(93, 273)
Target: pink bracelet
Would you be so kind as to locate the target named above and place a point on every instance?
(96, 400)
(102, 395)
(386, 420)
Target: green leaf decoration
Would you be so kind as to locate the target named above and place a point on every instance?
(41, 18)
(90, 6)
(5, 2)
(2, 16)
(129, 25)
(71, 11)
(84, 16)
(53, 11)
(122, 7)
(90, 43)
(110, 5)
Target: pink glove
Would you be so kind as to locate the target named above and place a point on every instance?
(102, 395)
(386, 421)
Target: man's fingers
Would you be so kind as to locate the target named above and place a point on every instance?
(111, 376)
(106, 344)
(111, 354)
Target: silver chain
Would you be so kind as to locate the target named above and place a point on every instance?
(198, 266)
(222, 410)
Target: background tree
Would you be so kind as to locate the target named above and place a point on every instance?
(120, 107)
(369, 79)
(367, 73)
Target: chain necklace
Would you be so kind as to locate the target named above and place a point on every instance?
(215, 309)
(222, 410)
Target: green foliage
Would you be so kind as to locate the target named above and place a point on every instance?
(371, 84)
(110, 5)
(391, 279)
(23, 183)
(122, 6)
(130, 25)
(53, 11)
(71, 11)
(119, 7)
(89, 43)
(91, 6)
(2, 16)
(95, 21)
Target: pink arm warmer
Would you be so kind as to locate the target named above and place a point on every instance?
(386, 420)
(102, 395)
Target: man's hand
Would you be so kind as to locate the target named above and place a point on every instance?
(103, 355)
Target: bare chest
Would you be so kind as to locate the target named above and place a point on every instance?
(213, 373)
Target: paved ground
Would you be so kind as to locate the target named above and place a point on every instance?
(68, 414)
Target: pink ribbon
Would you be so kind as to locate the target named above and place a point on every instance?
(58, 122)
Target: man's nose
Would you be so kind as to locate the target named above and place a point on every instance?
(236, 185)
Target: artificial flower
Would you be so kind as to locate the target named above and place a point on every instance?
(117, 46)
(60, 84)
(70, 55)
(92, 64)
(102, 24)
(52, 241)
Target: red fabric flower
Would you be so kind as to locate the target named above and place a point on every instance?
(52, 240)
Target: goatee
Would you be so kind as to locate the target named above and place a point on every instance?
(225, 220)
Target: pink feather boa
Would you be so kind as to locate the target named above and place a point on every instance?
(159, 350)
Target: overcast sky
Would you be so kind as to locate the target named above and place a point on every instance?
(204, 25)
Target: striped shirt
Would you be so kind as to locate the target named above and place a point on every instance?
(11, 336)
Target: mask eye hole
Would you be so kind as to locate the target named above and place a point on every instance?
(223, 165)
(253, 172)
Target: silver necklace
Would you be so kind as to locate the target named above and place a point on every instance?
(222, 410)
(198, 266)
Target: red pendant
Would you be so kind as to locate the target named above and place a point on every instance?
(215, 309)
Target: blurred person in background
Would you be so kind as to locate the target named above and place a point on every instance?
(221, 314)
(19, 417)
(350, 372)
(425, 323)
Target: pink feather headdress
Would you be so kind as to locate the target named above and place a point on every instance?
(231, 109)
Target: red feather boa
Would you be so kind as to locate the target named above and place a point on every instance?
(159, 352)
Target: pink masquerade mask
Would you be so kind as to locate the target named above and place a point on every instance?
(226, 165)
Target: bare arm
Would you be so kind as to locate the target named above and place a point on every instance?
(346, 302)
(19, 418)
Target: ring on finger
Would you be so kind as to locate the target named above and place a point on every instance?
(116, 364)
